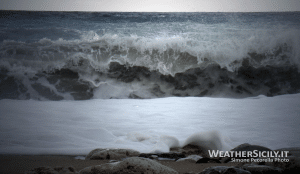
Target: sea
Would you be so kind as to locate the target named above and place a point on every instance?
(74, 81)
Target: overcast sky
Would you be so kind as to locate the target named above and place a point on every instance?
(153, 5)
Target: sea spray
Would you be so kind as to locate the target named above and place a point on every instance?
(85, 55)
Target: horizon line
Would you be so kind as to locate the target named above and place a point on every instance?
(152, 11)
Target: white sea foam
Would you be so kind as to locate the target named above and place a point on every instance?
(76, 127)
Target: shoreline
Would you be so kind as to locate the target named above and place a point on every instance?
(19, 164)
(23, 163)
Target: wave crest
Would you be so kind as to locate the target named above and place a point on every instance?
(117, 66)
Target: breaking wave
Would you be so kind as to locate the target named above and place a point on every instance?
(119, 66)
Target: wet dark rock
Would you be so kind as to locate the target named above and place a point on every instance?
(245, 147)
(293, 164)
(230, 171)
(293, 151)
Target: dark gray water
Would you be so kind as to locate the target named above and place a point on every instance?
(84, 55)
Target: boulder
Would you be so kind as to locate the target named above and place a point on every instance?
(56, 170)
(293, 151)
(112, 154)
(245, 147)
(293, 164)
(261, 169)
(135, 165)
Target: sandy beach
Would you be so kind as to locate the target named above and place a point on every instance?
(19, 164)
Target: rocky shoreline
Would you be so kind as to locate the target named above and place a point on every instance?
(194, 159)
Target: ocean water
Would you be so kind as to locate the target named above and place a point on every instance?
(147, 125)
(85, 55)
(74, 81)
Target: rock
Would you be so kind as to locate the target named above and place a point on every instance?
(130, 165)
(230, 171)
(112, 154)
(261, 169)
(293, 151)
(249, 147)
(245, 147)
(208, 160)
(49, 170)
(293, 164)
(224, 170)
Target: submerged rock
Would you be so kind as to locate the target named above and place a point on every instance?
(130, 165)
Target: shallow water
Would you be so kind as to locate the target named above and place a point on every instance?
(148, 125)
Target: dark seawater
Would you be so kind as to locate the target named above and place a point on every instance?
(84, 55)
